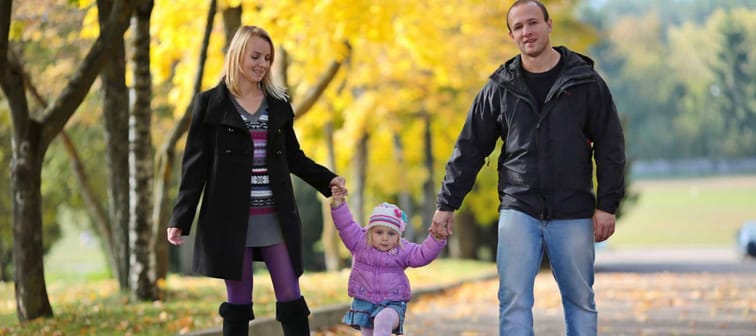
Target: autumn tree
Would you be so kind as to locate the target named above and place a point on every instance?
(732, 88)
(679, 74)
(31, 138)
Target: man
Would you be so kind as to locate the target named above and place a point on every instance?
(554, 114)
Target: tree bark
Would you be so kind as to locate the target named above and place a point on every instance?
(115, 110)
(429, 189)
(142, 278)
(405, 201)
(31, 139)
(463, 244)
(359, 161)
(231, 23)
(26, 180)
(330, 236)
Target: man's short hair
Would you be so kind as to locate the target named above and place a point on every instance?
(522, 2)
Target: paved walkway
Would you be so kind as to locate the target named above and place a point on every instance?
(638, 292)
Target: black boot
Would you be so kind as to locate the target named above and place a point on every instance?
(236, 318)
(293, 317)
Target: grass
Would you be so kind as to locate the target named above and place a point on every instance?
(76, 257)
(191, 303)
(687, 212)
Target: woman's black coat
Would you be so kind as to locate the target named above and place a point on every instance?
(216, 166)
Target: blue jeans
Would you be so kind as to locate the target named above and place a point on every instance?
(570, 246)
(362, 313)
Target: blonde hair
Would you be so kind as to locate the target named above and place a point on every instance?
(236, 49)
(369, 237)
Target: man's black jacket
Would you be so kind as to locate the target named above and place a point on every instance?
(546, 162)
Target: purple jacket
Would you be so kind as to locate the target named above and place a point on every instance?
(379, 276)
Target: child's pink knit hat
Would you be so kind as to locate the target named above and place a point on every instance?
(388, 215)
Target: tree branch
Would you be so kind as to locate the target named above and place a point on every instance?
(60, 110)
(312, 96)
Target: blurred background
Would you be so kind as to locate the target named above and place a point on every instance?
(380, 91)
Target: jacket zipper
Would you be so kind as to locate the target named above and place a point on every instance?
(566, 83)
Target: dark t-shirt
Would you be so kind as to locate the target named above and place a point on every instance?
(540, 83)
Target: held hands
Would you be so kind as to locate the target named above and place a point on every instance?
(603, 225)
(441, 227)
(338, 181)
(338, 191)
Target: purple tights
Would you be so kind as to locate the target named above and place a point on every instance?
(285, 283)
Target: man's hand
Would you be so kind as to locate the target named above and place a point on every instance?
(442, 223)
(603, 225)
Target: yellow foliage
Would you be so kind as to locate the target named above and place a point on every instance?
(16, 30)
(90, 27)
(86, 3)
(228, 3)
(641, 36)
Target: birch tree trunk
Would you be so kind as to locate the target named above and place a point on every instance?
(115, 110)
(142, 278)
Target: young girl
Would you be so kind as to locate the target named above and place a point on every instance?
(377, 283)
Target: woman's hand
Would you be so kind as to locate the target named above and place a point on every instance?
(340, 183)
(338, 191)
(175, 236)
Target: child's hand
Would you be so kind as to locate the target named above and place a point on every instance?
(338, 195)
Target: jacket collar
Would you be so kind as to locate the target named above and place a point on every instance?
(220, 110)
(575, 65)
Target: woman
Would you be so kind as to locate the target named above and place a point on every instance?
(240, 150)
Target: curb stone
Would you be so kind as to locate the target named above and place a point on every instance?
(328, 316)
